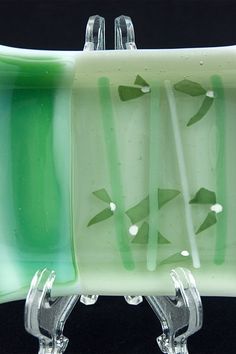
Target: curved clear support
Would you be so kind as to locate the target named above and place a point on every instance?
(180, 316)
(45, 317)
(124, 33)
(95, 33)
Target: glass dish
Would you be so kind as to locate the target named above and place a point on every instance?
(117, 166)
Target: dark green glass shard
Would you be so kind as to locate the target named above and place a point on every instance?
(204, 196)
(206, 105)
(165, 195)
(162, 240)
(190, 88)
(175, 258)
(103, 215)
(102, 195)
(127, 93)
(140, 81)
(208, 222)
(142, 235)
(139, 212)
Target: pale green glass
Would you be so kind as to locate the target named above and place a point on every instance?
(66, 132)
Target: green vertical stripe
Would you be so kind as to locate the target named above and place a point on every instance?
(220, 114)
(153, 178)
(35, 188)
(36, 192)
(121, 228)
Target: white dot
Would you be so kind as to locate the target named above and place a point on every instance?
(112, 206)
(217, 208)
(145, 89)
(201, 62)
(133, 230)
(185, 253)
(210, 93)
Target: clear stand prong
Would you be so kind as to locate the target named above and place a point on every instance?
(45, 317)
(95, 33)
(124, 33)
(180, 316)
(133, 300)
(88, 299)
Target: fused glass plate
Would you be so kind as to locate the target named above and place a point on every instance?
(117, 166)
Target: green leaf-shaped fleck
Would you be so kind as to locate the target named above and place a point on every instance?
(208, 222)
(175, 258)
(139, 212)
(102, 195)
(190, 88)
(142, 235)
(140, 81)
(165, 195)
(162, 240)
(103, 215)
(127, 93)
(206, 105)
(204, 196)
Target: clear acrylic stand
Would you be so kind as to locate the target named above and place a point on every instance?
(45, 316)
(180, 316)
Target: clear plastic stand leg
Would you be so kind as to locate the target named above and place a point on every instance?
(45, 317)
(124, 33)
(180, 316)
(95, 33)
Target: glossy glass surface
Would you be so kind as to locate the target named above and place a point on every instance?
(116, 167)
(35, 214)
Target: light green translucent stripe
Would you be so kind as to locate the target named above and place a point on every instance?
(183, 174)
(220, 114)
(153, 178)
(121, 228)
